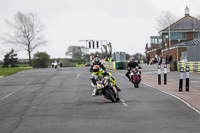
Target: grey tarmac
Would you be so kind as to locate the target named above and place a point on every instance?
(60, 100)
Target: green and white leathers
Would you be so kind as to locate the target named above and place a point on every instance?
(95, 76)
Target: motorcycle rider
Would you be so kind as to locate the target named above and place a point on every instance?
(96, 75)
(132, 64)
(55, 64)
(97, 62)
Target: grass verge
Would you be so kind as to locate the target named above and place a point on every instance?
(10, 71)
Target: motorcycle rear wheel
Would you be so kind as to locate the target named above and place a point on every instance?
(117, 100)
(110, 96)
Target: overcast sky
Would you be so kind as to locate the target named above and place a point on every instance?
(127, 24)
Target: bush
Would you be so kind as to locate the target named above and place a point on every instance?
(41, 59)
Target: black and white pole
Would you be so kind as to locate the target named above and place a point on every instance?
(181, 79)
(159, 74)
(165, 74)
(187, 70)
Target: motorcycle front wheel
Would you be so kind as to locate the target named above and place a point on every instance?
(136, 82)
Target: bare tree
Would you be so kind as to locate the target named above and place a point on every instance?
(76, 52)
(165, 19)
(197, 16)
(27, 33)
(139, 56)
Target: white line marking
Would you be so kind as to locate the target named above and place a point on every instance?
(7, 95)
(121, 74)
(189, 105)
(28, 83)
(21, 88)
(124, 103)
(78, 75)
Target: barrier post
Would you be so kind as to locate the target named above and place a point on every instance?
(165, 74)
(187, 79)
(159, 74)
(181, 79)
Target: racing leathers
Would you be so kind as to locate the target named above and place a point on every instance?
(97, 76)
(130, 66)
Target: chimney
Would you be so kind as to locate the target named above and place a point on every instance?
(187, 11)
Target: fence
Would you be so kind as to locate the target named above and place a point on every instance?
(118, 65)
(194, 66)
(110, 65)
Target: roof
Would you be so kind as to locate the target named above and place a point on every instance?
(185, 23)
(195, 42)
(155, 36)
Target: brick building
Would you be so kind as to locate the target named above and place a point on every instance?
(174, 38)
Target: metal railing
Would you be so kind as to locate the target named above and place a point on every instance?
(110, 65)
(194, 66)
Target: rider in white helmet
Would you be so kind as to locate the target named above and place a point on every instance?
(97, 62)
(132, 64)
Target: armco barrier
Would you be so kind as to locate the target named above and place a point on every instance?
(82, 65)
(193, 66)
(198, 68)
(110, 65)
(180, 64)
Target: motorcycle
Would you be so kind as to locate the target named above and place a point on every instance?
(56, 66)
(108, 90)
(135, 77)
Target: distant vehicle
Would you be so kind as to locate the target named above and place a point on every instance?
(87, 64)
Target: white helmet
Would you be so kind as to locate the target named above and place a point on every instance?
(96, 60)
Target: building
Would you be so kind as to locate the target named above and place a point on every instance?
(173, 39)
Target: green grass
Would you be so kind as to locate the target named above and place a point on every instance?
(20, 65)
(23, 65)
(10, 71)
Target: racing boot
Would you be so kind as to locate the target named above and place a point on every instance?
(96, 92)
(99, 93)
(117, 88)
(128, 77)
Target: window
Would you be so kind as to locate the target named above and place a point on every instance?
(156, 40)
(196, 35)
(160, 40)
(177, 36)
(183, 36)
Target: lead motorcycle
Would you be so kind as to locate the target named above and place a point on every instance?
(135, 77)
(108, 90)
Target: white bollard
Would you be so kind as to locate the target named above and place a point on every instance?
(159, 74)
(181, 79)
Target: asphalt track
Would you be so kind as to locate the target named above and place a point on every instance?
(60, 101)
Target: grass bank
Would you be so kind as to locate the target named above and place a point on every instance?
(10, 71)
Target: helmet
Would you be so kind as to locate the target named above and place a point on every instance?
(96, 60)
(95, 69)
(131, 60)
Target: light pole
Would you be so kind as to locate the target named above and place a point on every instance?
(169, 37)
(169, 42)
